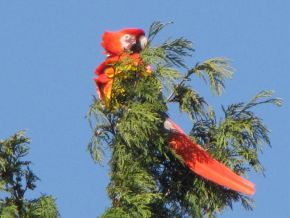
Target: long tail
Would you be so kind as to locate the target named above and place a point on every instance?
(201, 162)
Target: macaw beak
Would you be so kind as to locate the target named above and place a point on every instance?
(139, 45)
(143, 42)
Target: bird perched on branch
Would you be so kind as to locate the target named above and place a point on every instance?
(127, 44)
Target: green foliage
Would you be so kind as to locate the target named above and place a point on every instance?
(8, 211)
(44, 206)
(16, 178)
(147, 178)
(217, 70)
(170, 52)
(189, 102)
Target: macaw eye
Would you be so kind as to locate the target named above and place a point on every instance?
(127, 36)
(127, 41)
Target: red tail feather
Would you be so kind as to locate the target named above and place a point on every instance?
(201, 163)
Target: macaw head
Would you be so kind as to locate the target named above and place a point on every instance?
(115, 43)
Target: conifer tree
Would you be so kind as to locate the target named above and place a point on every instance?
(16, 178)
(147, 178)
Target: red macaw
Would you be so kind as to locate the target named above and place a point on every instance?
(195, 157)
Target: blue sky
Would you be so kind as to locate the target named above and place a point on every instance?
(48, 53)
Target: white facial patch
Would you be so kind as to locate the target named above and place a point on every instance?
(127, 41)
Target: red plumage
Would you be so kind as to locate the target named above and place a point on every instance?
(203, 164)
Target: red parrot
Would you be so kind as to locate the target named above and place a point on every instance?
(128, 43)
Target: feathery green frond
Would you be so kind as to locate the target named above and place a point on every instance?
(155, 28)
(257, 100)
(190, 102)
(101, 128)
(217, 70)
(168, 77)
(171, 52)
(43, 207)
(176, 50)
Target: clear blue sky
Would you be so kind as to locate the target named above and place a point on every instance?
(48, 53)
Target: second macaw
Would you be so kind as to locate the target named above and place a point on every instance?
(128, 43)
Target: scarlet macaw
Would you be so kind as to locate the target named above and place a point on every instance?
(128, 43)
